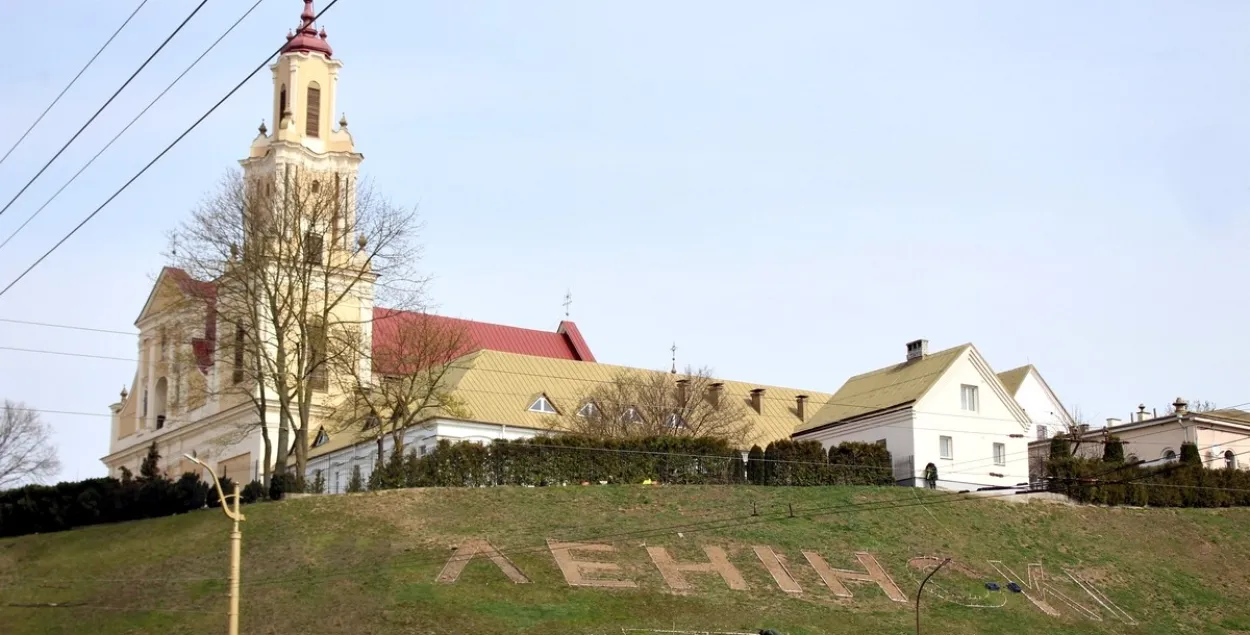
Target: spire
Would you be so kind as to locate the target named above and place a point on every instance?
(306, 38)
(674, 351)
(568, 300)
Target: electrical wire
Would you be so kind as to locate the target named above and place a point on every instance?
(158, 157)
(71, 82)
(132, 122)
(101, 109)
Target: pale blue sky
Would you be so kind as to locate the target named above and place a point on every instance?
(788, 190)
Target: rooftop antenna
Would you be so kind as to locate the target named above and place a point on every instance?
(568, 300)
(673, 349)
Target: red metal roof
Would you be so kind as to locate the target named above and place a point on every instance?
(564, 343)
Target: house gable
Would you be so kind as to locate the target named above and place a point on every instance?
(945, 396)
(1039, 402)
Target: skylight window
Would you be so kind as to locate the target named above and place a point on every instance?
(543, 405)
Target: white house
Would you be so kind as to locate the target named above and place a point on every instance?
(948, 408)
(1049, 416)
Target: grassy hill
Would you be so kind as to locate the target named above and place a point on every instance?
(368, 563)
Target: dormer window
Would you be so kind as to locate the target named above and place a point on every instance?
(587, 410)
(674, 422)
(631, 415)
(322, 438)
(543, 405)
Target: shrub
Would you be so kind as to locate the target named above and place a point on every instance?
(227, 488)
(755, 465)
(1060, 448)
(1190, 455)
(280, 484)
(252, 492)
(357, 482)
(317, 485)
(1113, 451)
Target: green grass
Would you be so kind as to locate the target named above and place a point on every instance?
(367, 564)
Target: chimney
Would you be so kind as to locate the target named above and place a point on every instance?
(681, 391)
(1180, 406)
(1112, 421)
(801, 406)
(757, 399)
(917, 349)
(1083, 428)
(1141, 412)
(713, 393)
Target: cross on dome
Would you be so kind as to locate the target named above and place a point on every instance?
(306, 38)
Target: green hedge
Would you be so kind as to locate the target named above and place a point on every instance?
(1173, 485)
(671, 460)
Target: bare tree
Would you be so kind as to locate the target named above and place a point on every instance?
(26, 450)
(640, 403)
(401, 377)
(294, 257)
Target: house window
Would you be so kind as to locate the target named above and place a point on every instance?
(322, 438)
(947, 447)
(968, 397)
(1000, 454)
(587, 410)
(1132, 458)
(1230, 460)
(1043, 433)
(316, 186)
(542, 405)
(882, 443)
(313, 248)
(372, 421)
(1169, 454)
(312, 123)
(422, 449)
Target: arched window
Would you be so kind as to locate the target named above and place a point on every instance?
(281, 103)
(1169, 454)
(162, 391)
(312, 118)
(1230, 460)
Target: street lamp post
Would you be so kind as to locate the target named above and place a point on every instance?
(921, 590)
(236, 543)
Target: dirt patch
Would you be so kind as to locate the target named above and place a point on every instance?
(575, 571)
(834, 578)
(674, 572)
(775, 564)
(469, 550)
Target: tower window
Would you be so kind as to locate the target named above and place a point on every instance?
(239, 337)
(281, 104)
(312, 123)
(316, 355)
(313, 247)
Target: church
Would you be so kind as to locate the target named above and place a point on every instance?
(509, 382)
(199, 390)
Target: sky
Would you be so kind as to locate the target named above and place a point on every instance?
(789, 191)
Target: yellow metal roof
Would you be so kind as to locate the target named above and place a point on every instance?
(884, 388)
(498, 388)
(1012, 379)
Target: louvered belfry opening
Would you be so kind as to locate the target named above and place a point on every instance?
(312, 123)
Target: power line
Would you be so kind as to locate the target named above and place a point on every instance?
(66, 326)
(43, 352)
(155, 159)
(71, 82)
(132, 122)
(101, 109)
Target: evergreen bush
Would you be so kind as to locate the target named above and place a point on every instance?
(357, 482)
(1113, 450)
(253, 492)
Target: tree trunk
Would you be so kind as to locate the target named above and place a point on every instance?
(381, 451)
(267, 467)
(284, 441)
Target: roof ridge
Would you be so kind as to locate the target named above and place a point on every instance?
(460, 319)
(945, 351)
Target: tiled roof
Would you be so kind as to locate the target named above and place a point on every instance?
(882, 389)
(565, 343)
(1013, 378)
(498, 388)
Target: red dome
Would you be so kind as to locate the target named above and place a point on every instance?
(306, 37)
